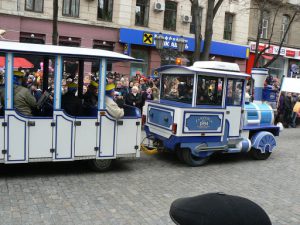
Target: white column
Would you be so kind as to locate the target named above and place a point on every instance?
(57, 81)
(102, 84)
(9, 82)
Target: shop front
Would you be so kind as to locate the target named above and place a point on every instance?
(287, 63)
(141, 44)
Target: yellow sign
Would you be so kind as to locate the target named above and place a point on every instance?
(148, 38)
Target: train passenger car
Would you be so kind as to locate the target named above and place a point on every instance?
(203, 110)
(52, 134)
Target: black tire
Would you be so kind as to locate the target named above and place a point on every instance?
(100, 165)
(179, 154)
(192, 160)
(256, 154)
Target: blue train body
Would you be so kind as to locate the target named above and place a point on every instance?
(203, 109)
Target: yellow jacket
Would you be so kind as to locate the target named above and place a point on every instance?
(297, 107)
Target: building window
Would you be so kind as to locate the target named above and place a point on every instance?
(33, 38)
(142, 13)
(104, 45)
(284, 27)
(139, 66)
(34, 5)
(170, 15)
(192, 25)
(105, 10)
(228, 26)
(71, 8)
(265, 25)
(69, 41)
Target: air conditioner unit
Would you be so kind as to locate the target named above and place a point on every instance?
(186, 19)
(159, 6)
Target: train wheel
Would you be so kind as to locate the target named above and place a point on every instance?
(179, 154)
(100, 165)
(192, 160)
(256, 154)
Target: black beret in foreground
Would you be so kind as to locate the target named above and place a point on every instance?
(217, 209)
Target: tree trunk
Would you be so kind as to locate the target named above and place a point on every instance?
(208, 30)
(197, 23)
(54, 23)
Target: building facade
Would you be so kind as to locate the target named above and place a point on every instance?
(127, 26)
(274, 26)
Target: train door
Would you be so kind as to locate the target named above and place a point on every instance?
(86, 133)
(107, 136)
(128, 138)
(28, 132)
(234, 100)
(209, 118)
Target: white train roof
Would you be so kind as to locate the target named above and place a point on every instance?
(206, 68)
(17, 47)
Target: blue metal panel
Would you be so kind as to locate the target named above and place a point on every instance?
(131, 36)
(266, 114)
(252, 113)
(160, 117)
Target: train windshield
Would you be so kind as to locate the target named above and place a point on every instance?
(210, 90)
(177, 88)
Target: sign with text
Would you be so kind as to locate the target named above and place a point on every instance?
(274, 49)
(147, 38)
(200, 122)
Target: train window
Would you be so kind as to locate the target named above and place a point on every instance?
(32, 95)
(209, 90)
(234, 92)
(80, 87)
(177, 88)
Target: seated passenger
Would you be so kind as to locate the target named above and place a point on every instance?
(24, 101)
(90, 99)
(71, 104)
(111, 106)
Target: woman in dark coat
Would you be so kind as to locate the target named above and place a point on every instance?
(134, 98)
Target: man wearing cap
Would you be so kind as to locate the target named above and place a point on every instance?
(90, 99)
(70, 103)
(24, 101)
(110, 78)
(111, 106)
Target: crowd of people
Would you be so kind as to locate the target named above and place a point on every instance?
(123, 90)
(288, 104)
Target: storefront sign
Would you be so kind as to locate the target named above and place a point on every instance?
(273, 50)
(147, 38)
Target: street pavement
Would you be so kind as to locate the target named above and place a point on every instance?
(140, 191)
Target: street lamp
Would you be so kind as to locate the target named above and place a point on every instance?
(169, 52)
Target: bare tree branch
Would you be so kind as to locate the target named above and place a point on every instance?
(282, 41)
(216, 8)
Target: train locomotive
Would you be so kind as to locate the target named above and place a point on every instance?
(204, 109)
